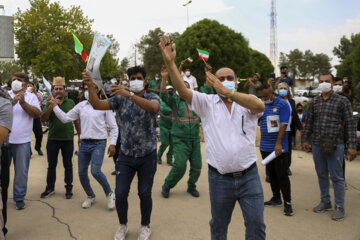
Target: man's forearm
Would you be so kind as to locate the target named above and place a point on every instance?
(31, 110)
(163, 83)
(281, 135)
(46, 114)
(4, 132)
(149, 106)
(249, 102)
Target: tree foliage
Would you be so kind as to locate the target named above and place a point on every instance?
(227, 48)
(7, 69)
(45, 45)
(148, 48)
(261, 64)
(124, 65)
(305, 65)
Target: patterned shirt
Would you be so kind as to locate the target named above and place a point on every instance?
(137, 126)
(336, 120)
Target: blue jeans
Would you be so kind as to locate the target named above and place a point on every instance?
(21, 155)
(225, 192)
(93, 152)
(333, 164)
(126, 167)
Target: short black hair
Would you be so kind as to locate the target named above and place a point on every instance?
(299, 105)
(337, 79)
(264, 87)
(324, 74)
(135, 70)
(282, 67)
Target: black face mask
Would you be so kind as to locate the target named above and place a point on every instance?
(300, 111)
(283, 73)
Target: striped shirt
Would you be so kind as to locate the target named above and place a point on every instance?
(275, 114)
(336, 120)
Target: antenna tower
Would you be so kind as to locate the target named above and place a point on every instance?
(273, 34)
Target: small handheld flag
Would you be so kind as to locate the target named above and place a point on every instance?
(203, 55)
(189, 59)
(79, 48)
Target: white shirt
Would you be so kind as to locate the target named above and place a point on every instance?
(191, 80)
(93, 122)
(229, 146)
(22, 122)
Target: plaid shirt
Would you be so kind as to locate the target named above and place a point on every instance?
(336, 120)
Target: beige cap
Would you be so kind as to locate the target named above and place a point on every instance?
(59, 81)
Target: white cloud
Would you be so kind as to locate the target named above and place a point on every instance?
(318, 41)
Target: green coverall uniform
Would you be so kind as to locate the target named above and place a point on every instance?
(206, 89)
(154, 85)
(186, 142)
(165, 128)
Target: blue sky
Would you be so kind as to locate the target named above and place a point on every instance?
(305, 24)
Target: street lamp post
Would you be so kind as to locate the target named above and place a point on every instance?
(187, 10)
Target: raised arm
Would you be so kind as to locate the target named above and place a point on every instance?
(181, 66)
(164, 76)
(93, 98)
(252, 103)
(30, 109)
(70, 116)
(168, 52)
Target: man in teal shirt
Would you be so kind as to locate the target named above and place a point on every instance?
(154, 85)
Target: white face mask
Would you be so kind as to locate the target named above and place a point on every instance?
(187, 73)
(136, 86)
(325, 87)
(16, 85)
(86, 95)
(337, 88)
(29, 89)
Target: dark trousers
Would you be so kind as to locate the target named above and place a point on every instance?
(4, 178)
(126, 167)
(37, 129)
(117, 149)
(67, 148)
(279, 179)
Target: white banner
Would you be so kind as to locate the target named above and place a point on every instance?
(98, 50)
(48, 87)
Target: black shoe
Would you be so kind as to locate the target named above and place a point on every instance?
(165, 192)
(193, 192)
(76, 153)
(273, 202)
(47, 193)
(113, 173)
(68, 194)
(289, 173)
(288, 211)
(267, 179)
(170, 163)
(159, 160)
(40, 152)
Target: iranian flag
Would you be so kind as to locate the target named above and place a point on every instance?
(189, 59)
(79, 48)
(203, 55)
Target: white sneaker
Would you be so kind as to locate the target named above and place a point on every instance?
(87, 203)
(111, 200)
(144, 233)
(121, 232)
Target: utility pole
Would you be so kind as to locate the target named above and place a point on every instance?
(273, 34)
(187, 10)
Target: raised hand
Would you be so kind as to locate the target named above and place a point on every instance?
(164, 72)
(87, 79)
(208, 68)
(119, 90)
(214, 82)
(167, 49)
(20, 96)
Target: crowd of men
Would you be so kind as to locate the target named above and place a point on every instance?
(229, 120)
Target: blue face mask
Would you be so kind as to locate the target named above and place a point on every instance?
(268, 102)
(283, 92)
(156, 78)
(229, 85)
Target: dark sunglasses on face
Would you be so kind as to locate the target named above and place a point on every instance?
(229, 78)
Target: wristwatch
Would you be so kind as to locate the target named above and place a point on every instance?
(131, 95)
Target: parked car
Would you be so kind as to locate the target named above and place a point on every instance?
(307, 91)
